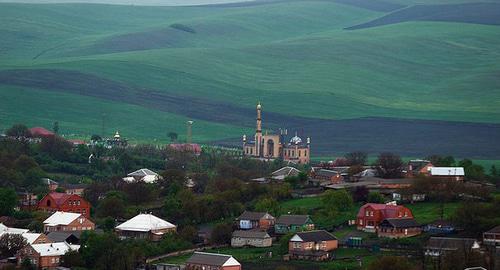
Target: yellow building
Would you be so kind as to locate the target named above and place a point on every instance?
(274, 146)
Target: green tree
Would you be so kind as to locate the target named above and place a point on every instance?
(8, 200)
(389, 165)
(18, 131)
(111, 206)
(221, 234)
(283, 243)
(173, 136)
(72, 259)
(339, 200)
(10, 244)
(268, 204)
(375, 197)
(356, 158)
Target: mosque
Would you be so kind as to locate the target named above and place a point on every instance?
(275, 146)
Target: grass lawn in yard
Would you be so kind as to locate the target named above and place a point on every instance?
(426, 212)
(303, 203)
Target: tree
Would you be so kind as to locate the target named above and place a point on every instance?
(356, 158)
(268, 204)
(391, 263)
(111, 206)
(284, 243)
(189, 233)
(221, 234)
(472, 171)
(173, 136)
(389, 165)
(55, 127)
(440, 161)
(375, 197)
(72, 259)
(360, 193)
(10, 244)
(27, 265)
(56, 147)
(8, 200)
(339, 200)
(18, 131)
(95, 138)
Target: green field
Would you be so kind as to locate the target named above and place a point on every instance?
(160, 66)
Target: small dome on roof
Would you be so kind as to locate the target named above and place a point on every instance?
(117, 135)
(295, 140)
(259, 106)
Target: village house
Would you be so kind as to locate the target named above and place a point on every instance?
(440, 246)
(293, 223)
(74, 189)
(251, 238)
(313, 245)
(212, 261)
(417, 167)
(281, 174)
(492, 237)
(64, 221)
(414, 197)
(399, 228)
(439, 227)
(448, 173)
(255, 220)
(27, 201)
(63, 202)
(145, 226)
(371, 215)
(325, 175)
(70, 237)
(36, 238)
(31, 238)
(51, 184)
(5, 229)
(142, 175)
(45, 256)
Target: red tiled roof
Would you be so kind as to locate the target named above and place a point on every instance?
(40, 132)
(388, 211)
(59, 198)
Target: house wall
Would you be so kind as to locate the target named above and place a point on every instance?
(398, 232)
(42, 239)
(210, 267)
(79, 224)
(75, 204)
(255, 242)
(491, 238)
(313, 246)
(371, 222)
(266, 224)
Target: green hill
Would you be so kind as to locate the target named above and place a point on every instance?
(163, 65)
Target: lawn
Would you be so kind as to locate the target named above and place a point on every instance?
(426, 212)
(289, 55)
(305, 204)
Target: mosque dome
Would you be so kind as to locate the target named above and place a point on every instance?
(259, 106)
(117, 135)
(295, 140)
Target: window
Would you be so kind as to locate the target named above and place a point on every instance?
(78, 202)
(305, 153)
(367, 213)
(297, 245)
(53, 260)
(406, 214)
(371, 213)
(300, 153)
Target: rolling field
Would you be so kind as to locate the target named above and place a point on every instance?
(396, 82)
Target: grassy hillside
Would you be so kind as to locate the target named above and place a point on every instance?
(213, 63)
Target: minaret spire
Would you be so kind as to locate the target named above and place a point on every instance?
(259, 118)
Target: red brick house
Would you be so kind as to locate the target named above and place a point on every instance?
(255, 220)
(45, 256)
(399, 228)
(313, 245)
(371, 215)
(206, 261)
(418, 167)
(62, 221)
(63, 202)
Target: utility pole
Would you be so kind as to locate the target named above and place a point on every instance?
(189, 131)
